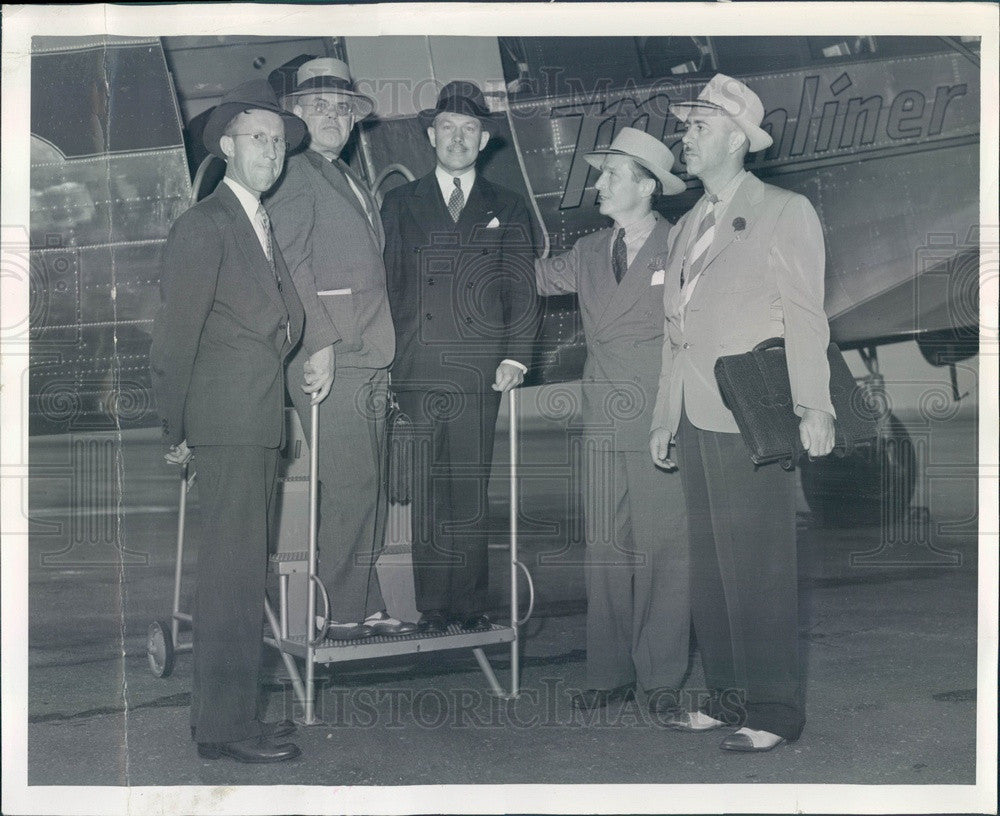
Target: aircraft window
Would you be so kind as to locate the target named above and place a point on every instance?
(103, 100)
(830, 49)
(754, 55)
(907, 46)
(675, 56)
(739, 56)
(835, 48)
(537, 67)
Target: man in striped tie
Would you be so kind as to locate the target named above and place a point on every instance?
(228, 320)
(458, 259)
(750, 262)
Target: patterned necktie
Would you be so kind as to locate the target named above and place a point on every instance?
(702, 241)
(265, 234)
(619, 256)
(457, 201)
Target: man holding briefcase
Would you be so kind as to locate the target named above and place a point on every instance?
(750, 259)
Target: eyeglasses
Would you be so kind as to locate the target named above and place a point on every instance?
(262, 139)
(321, 107)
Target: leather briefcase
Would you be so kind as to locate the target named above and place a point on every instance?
(755, 387)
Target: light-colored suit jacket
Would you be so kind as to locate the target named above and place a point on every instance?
(763, 277)
(623, 326)
(334, 254)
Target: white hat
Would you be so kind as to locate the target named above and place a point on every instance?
(648, 151)
(732, 97)
(331, 75)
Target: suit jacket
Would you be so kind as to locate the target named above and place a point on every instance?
(334, 254)
(225, 325)
(623, 326)
(462, 294)
(763, 277)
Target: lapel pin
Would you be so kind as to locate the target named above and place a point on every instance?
(739, 224)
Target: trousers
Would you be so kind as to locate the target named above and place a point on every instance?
(453, 453)
(353, 498)
(636, 571)
(744, 581)
(236, 495)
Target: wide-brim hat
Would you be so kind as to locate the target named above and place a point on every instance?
(463, 97)
(648, 151)
(253, 95)
(731, 97)
(329, 75)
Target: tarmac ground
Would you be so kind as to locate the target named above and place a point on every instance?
(888, 640)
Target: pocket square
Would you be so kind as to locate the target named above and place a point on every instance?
(494, 223)
(657, 279)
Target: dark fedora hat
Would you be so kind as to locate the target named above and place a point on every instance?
(459, 96)
(253, 95)
(282, 78)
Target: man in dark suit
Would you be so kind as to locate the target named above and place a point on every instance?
(331, 237)
(638, 614)
(458, 255)
(750, 261)
(229, 317)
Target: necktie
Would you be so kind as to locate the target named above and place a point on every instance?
(702, 241)
(619, 256)
(265, 241)
(265, 234)
(457, 201)
(357, 192)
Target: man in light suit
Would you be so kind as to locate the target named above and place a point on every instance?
(638, 615)
(229, 317)
(331, 236)
(458, 255)
(750, 260)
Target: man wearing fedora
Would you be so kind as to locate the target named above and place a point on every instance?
(747, 264)
(229, 317)
(458, 255)
(331, 237)
(636, 572)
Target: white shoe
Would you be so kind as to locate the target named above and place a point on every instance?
(746, 740)
(381, 624)
(695, 722)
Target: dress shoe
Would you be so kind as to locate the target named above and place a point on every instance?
(748, 741)
(381, 624)
(473, 622)
(433, 620)
(694, 722)
(256, 751)
(347, 631)
(277, 730)
(589, 699)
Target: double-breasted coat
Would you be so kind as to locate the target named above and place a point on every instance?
(463, 300)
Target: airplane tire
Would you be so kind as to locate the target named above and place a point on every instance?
(848, 492)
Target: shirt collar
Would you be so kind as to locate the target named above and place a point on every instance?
(641, 226)
(726, 193)
(446, 181)
(249, 200)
